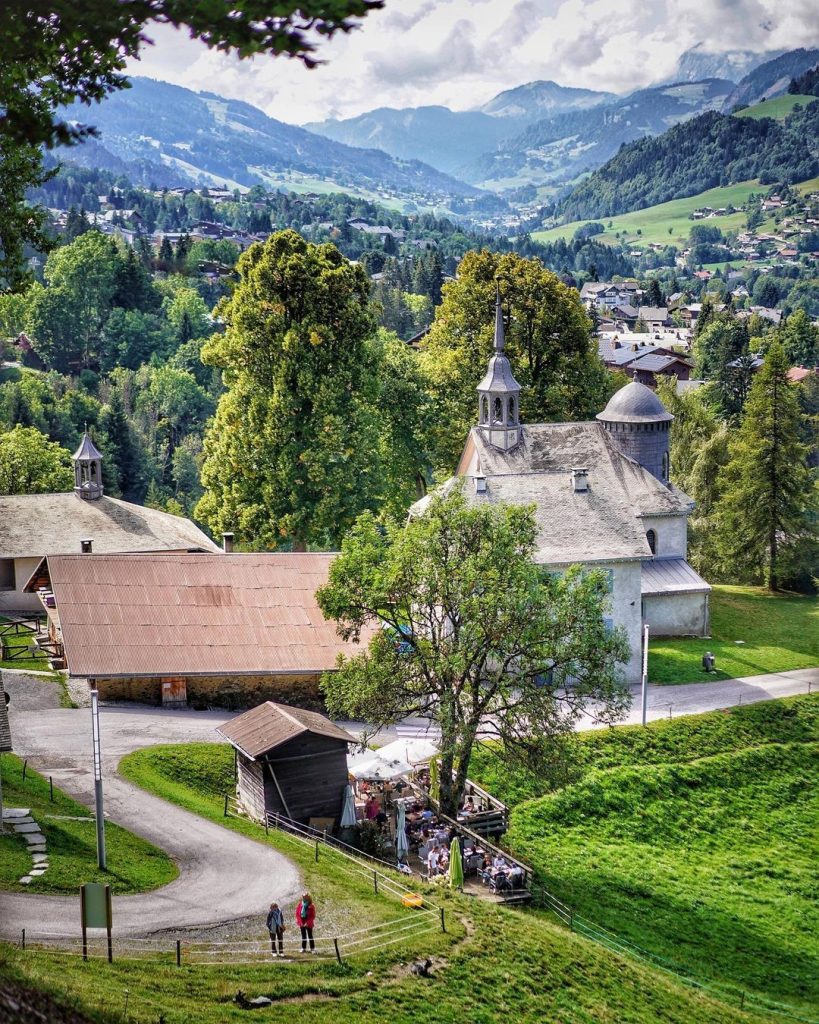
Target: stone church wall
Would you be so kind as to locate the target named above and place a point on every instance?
(677, 614)
(672, 535)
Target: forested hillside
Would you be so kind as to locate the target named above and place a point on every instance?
(703, 153)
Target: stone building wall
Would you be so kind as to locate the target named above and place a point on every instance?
(671, 532)
(233, 692)
(677, 614)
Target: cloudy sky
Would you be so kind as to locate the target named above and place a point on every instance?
(462, 52)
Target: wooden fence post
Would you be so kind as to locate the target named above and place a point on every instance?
(317, 848)
(375, 882)
(23, 944)
(338, 954)
(178, 952)
(51, 789)
(443, 920)
(226, 803)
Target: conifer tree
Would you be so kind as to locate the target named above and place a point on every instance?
(765, 508)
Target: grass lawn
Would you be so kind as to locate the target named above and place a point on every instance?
(778, 632)
(778, 108)
(709, 864)
(494, 964)
(134, 864)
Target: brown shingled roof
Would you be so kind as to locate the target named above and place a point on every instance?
(175, 613)
(270, 725)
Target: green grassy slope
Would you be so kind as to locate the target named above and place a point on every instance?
(778, 108)
(493, 964)
(710, 864)
(134, 865)
(752, 632)
(669, 223)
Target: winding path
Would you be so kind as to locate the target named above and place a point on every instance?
(223, 876)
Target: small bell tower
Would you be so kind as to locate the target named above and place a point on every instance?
(499, 393)
(87, 470)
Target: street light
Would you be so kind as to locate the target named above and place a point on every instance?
(95, 740)
(645, 672)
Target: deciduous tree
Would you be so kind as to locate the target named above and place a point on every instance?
(292, 456)
(548, 341)
(463, 627)
(31, 464)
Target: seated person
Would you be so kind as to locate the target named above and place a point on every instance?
(516, 877)
(443, 861)
(468, 806)
(499, 863)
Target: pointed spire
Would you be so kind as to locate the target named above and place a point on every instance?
(500, 339)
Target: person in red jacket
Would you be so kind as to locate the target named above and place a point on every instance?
(305, 919)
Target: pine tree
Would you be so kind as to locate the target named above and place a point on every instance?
(121, 450)
(165, 258)
(654, 297)
(765, 508)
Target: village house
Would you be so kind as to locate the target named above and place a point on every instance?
(607, 295)
(210, 628)
(34, 525)
(603, 499)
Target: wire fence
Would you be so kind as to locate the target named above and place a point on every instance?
(419, 916)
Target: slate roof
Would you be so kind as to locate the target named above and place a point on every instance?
(635, 403)
(87, 449)
(671, 576)
(45, 524)
(174, 613)
(601, 524)
(270, 725)
(653, 313)
(656, 363)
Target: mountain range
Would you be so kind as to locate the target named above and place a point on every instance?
(205, 138)
(532, 142)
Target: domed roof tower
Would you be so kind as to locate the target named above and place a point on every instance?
(639, 424)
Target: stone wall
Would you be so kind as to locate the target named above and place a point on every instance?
(672, 534)
(677, 614)
(233, 692)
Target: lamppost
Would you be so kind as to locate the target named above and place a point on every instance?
(95, 740)
(645, 672)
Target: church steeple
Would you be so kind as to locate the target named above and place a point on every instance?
(499, 393)
(87, 470)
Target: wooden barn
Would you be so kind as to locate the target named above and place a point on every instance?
(289, 761)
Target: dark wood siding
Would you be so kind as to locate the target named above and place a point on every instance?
(311, 772)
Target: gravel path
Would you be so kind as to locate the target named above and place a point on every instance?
(224, 877)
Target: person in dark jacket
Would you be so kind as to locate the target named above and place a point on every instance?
(275, 925)
(305, 919)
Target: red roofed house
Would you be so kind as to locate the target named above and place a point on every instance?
(211, 628)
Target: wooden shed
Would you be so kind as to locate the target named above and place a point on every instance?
(289, 761)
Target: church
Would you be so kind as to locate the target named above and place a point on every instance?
(603, 498)
(85, 519)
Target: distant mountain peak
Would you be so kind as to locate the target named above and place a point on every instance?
(542, 98)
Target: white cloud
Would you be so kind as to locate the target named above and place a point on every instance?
(461, 52)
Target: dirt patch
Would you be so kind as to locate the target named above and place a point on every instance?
(27, 1006)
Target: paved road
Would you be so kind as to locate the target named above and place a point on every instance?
(223, 876)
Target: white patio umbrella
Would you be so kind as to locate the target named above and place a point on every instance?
(412, 749)
(348, 808)
(401, 838)
(379, 770)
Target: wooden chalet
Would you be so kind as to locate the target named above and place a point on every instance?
(289, 761)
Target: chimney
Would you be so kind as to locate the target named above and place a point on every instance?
(580, 480)
(480, 484)
(227, 543)
(86, 545)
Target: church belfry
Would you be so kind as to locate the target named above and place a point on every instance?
(499, 394)
(87, 470)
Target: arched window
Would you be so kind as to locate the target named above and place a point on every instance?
(484, 409)
(511, 415)
(651, 537)
(665, 466)
(497, 411)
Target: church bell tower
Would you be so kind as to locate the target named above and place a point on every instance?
(499, 394)
(87, 470)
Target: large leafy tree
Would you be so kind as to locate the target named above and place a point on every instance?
(765, 508)
(464, 628)
(31, 464)
(548, 341)
(292, 456)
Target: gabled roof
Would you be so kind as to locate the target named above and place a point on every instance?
(34, 525)
(270, 725)
(173, 613)
(601, 524)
